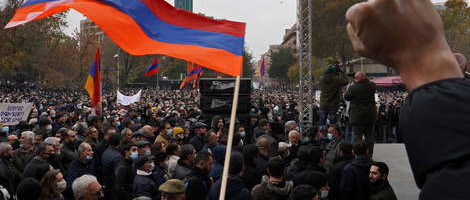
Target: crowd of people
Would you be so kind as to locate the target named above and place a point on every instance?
(162, 148)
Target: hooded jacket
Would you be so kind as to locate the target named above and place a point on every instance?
(218, 165)
(271, 190)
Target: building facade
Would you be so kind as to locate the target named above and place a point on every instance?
(184, 4)
(90, 33)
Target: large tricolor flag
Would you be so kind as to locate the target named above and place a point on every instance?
(152, 68)
(192, 75)
(153, 27)
(261, 68)
(93, 82)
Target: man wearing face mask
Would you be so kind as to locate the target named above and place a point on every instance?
(332, 148)
(40, 164)
(81, 165)
(25, 153)
(144, 185)
(9, 177)
(56, 158)
(380, 188)
(144, 148)
(125, 172)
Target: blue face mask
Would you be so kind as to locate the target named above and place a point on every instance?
(5, 129)
(330, 136)
(169, 132)
(89, 158)
(242, 134)
(134, 155)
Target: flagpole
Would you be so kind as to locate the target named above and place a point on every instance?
(100, 103)
(157, 81)
(231, 130)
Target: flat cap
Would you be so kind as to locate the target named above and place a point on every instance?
(172, 186)
(199, 125)
(143, 143)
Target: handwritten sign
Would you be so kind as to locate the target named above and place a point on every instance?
(13, 113)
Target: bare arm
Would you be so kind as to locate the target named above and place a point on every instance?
(407, 35)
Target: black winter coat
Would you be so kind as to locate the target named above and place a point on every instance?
(198, 184)
(78, 168)
(355, 179)
(251, 176)
(298, 166)
(384, 191)
(236, 190)
(9, 178)
(362, 98)
(36, 169)
(145, 186)
(335, 174)
(125, 174)
(21, 158)
(330, 96)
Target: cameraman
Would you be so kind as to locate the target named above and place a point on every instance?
(330, 86)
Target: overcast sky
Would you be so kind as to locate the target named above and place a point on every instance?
(266, 19)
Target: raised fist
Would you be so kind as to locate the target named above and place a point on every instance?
(391, 31)
(404, 34)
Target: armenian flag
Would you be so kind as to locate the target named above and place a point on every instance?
(152, 68)
(142, 27)
(192, 75)
(93, 82)
(261, 68)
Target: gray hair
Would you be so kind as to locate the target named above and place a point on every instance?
(81, 148)
(28, 135)
(4, 147)
(124, 131)
(52, 140)
(80, 185)
(290, 123)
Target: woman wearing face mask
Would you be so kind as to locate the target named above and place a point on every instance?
(165, 134)
(144, 185)
(52, 185)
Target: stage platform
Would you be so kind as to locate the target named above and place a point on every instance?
(400, 176)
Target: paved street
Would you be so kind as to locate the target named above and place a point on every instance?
(400, 176)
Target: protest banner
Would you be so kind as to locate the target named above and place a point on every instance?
(13, 113)
(128, 100)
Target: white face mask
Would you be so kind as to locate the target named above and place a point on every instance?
(323, 194)
(61, 185)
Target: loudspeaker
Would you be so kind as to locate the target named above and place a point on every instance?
(216, 86)
(217, 95)
(223, 103)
